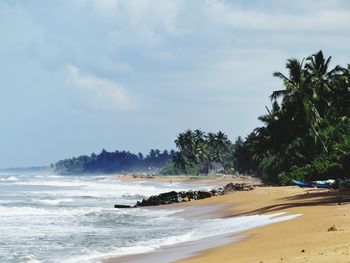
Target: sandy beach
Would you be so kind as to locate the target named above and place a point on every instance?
(305, 239)
(321, 234)
(190, 180)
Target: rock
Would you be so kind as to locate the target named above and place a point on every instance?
(214, 192)
(179, 199)
(204, 194)
(192, 195)
(186, 199)
(151, 201)
(122, 206)
(237, 187)
(169, 196)
(183, 196)
(332, 228)
(229, 186)
(248, 187)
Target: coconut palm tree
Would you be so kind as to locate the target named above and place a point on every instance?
(298, 99)
(321, 80)
(181, 162)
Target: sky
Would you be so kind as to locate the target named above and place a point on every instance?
(77, 76)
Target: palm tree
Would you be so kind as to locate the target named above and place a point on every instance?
(218, 145)
(298, 98)
(181, 162)
(321, 80)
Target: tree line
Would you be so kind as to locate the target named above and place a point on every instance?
(305, 134)
(114, 162)
(199, 152)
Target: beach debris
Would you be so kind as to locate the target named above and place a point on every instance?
(186, 196)
(332, 228)
(303, 251)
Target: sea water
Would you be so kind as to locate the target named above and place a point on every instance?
(51, 218)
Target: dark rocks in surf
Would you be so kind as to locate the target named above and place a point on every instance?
(183, 196)
(122, 206)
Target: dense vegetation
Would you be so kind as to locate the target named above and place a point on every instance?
(305, 134)
(200, 153)
(114, 162)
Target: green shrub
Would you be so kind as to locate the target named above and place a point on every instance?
(170, 169)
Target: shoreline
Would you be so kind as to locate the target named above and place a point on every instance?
(188, 249)
(306, 240)
(177, 252)
(214, 181)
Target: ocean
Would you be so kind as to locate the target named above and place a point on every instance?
(52, 218)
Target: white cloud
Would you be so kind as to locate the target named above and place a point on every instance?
(315, 20)
(106, 5)
(153, 13)
(150, 20)
(102, 93)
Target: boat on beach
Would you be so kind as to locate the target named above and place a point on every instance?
(316, 184)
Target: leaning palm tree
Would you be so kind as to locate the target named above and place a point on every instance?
(299, 95)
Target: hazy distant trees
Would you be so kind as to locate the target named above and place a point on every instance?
(111, 162)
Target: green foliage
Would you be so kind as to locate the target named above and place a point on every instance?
(113, 162)
(305, 135)
(200, 152)
(269, 168)
(170, 169)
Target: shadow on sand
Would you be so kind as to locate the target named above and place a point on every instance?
(312, 197)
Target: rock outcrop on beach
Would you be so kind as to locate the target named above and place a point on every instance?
(183, 196)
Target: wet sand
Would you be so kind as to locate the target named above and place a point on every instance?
(190, 180)
(304, 239)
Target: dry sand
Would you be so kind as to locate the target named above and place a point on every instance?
(191, 180)
(304, 239)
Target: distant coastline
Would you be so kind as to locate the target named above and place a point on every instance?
(114, 162)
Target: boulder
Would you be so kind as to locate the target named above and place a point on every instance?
(183, 196)
(192, 195)
(204, 194)
(151, 201)
(168, 195)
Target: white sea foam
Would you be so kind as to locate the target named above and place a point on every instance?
(53, 201)
(15, 211)
(22, 211)
(52, 213)
(9, 179)
(210, 228)
(31, 259)
(98, 189)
